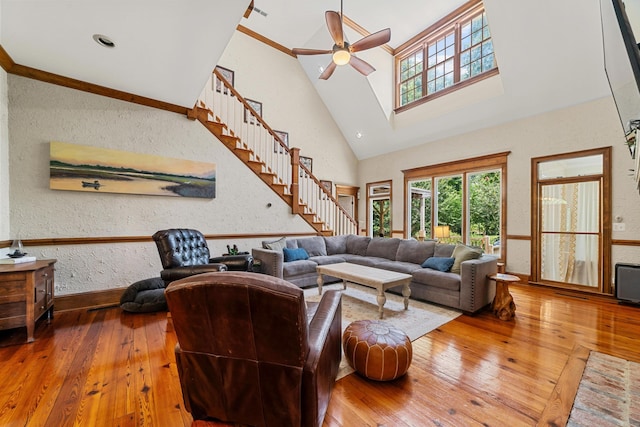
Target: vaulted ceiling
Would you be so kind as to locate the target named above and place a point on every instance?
(549, 54)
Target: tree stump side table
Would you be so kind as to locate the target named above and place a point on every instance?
(503, 306)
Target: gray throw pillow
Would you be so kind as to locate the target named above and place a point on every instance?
(275, 245)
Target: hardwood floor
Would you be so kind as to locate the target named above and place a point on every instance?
(109, 368)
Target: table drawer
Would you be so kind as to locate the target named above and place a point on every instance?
(11, 291)
(13, 309)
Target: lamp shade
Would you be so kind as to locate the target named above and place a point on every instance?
(441, 231)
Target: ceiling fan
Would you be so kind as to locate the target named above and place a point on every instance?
(342, 51)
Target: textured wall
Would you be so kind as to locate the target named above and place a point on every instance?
(40, 113)
(591, 125)
(4, 158)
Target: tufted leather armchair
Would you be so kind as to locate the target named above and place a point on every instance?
(183, 252)
(250, 352)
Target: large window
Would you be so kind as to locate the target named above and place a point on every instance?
(460, 50)
(467, 205)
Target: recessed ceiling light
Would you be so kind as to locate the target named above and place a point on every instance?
(104, 41)
(358, 135)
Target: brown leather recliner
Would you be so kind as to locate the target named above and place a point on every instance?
(184, 252)
(249, 352)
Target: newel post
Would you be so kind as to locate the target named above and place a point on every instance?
(295, 174)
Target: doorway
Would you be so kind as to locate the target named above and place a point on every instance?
(379, 209)
(571, 246)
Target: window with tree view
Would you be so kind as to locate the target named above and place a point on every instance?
(379, 209)
(458, 51)
(459, 203)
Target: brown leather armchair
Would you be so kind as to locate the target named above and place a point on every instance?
(249, 352)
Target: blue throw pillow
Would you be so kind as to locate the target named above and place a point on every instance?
(439, 263)
(294, 254)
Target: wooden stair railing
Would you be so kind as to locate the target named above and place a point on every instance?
(227, 115)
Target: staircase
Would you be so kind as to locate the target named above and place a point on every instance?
(227, 115)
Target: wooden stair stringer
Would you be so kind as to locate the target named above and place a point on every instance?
(263, 172)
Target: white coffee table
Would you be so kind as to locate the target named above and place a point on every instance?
(368, 276)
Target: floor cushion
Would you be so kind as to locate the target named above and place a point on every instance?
(144, 296)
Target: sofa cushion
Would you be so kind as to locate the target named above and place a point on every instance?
(296, 268)
(383, 247)
(357, 245)
(327, 259)
(443, 250)
(370, 261)
(314, 246)
(439, 263)
(275, 245)
(414, 251)
(336, 244)
(437, 279)
(399, 266)
(463, 253)
(294, 254)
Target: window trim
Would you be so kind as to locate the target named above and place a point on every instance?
(606, 217)
(420, 42)
(464, 167)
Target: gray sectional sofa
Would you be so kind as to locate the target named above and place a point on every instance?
(469, 291)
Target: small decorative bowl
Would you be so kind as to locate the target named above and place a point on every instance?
(17, 254)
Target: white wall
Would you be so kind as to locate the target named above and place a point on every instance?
(291, 104)
(590, 125)
(4, 158)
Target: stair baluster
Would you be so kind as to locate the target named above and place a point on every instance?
(230, 118)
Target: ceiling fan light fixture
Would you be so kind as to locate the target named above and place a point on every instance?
(341, 56)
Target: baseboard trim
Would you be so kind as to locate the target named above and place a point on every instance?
(88, 300)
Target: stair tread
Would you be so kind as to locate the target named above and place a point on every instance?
(264, 171)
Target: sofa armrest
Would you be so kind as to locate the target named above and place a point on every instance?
(271, 261)
(476, 290)
(171, 274)
(323, 361)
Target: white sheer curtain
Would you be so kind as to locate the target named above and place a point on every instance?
(570, 225)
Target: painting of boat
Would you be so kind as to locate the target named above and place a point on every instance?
(83, 168)
(95, 184)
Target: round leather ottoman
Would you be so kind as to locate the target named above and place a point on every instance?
(377, 350)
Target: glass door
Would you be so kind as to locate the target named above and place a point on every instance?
(571, 248)
(570, 233)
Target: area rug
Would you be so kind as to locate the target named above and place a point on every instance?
(608, 394)
(359, 303)
(595, 389)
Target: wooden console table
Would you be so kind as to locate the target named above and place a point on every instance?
(503, 306)
(26, 293)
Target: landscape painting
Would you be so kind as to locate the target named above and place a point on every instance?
(83, 168)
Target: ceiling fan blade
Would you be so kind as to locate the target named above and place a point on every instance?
(302, 51)
(362, 66)
(328, 71)
(372, 40)
(334, 24)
